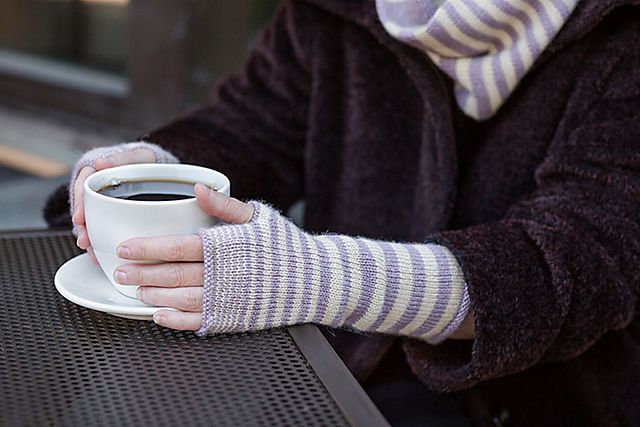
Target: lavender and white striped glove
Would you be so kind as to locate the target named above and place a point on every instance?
(269, 273)
(89, 159)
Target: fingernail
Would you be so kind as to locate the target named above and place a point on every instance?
(207, 189)
(121, 277)
(124, 252)
(140, 293)
(159, 319)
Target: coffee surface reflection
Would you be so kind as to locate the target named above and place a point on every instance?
(150, 190)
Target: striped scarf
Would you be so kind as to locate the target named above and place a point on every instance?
(485, 46)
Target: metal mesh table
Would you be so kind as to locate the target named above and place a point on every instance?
(62, 364)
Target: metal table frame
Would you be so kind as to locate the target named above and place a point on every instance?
(345, 391)
(353, 401)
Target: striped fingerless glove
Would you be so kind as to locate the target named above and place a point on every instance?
(270, 273)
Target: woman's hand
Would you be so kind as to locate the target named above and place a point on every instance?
(179, 282)
(139, 155)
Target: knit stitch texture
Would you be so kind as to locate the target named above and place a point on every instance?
(540, 203)
(269, 273)
(486, 47)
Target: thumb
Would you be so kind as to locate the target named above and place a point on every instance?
(221, 206)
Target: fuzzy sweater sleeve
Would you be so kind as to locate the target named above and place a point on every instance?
(253, 130)
(561, 269)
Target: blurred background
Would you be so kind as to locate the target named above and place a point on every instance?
(75, 74)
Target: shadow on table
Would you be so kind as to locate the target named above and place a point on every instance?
(405, 401)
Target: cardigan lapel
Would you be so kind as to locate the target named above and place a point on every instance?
(436, 184)
(435, 189)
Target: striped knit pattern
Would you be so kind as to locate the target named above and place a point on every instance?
(269, 273)
(89, 159)
(485, 46)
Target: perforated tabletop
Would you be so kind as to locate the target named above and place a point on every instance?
(62, 364)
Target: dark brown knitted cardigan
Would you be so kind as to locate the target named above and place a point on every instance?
(540, 204)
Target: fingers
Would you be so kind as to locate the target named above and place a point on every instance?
(92, 255)
(83, 237)
(185, 299)
(139, 155)
(219, 205)
(78, 191)
(163, 275)
(166, 248)
(84, 243)
(178, 320)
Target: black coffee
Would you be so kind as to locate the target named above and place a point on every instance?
(152, 190)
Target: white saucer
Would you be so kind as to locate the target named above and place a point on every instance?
(82, 282)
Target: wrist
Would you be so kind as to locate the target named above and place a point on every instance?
(269, 273)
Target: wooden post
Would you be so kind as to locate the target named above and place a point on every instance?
(157, 60)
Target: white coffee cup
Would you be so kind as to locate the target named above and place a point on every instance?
(110, 220)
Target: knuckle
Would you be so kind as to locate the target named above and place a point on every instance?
(248, 213)
(142, 155)
(84, 173)
(117, 159)
(146, 295)
(176, 275)
(190, 299)
(227, 204)
(79, 184)
(139, 250)
(129, 157)
(175, 250)
(139, 276)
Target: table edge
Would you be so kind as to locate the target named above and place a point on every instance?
(345, 390)
(35, 232)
